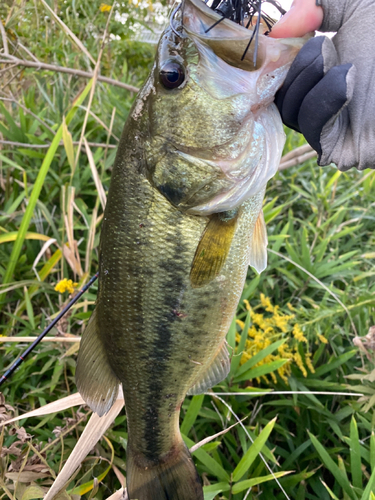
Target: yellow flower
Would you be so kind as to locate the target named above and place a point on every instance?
(284, 352)
(284, 371)
(247, 305)
(240, 323)
(322, 339)
(65, 285)
(309, 364)
(253, 332)
(258, 319)
(298, 333)
(269, 324)
(266, 303)
(104, 7)
(299, 363)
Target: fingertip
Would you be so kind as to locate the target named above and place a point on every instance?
(303, 17)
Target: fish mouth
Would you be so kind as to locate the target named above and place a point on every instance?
(230, 41)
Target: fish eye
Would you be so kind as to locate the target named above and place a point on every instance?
(172, 74)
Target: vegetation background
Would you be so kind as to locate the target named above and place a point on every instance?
(302, 337)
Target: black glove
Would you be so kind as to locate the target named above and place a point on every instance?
(329, 92)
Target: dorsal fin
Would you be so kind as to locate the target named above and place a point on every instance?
(213, 248)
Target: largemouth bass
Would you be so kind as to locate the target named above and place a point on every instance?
(182, 223)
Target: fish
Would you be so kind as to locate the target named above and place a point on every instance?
(183, 222)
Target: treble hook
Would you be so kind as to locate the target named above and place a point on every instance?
(171, 20)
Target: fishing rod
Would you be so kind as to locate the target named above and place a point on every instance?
(23, 356)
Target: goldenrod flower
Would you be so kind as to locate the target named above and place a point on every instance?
(284, 371)
(65, 285)
(322, 339)
(299, 363)
(253, 332)
(258, 320)
(247, 305)
(240, 323)
(105, 8)
(298, 333)
(266, 303)
(281, 321)
(284, 351)
(269, 324)
(309, 364)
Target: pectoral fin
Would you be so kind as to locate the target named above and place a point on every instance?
(96, 382)
(213, 248)
(215, 372)
(259, 242)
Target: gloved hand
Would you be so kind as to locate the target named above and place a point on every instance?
(329, 92)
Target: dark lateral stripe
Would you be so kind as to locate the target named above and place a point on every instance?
(163, 346)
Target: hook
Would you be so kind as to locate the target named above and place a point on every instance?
(171, 20)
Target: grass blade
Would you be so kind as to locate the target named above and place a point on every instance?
(259, 356)
(237, 358)
(372, 451)
(340, 360)
(331, 494)
(370, 488)
(332, 467)
(12, 236)
(68, 144)
(86, 487)
(259, 371)
(254, 450)
(355, 455)
(210, 463)
(249, 483)
(192, 413)
(59, 405)
(95, 175)
(210, 492)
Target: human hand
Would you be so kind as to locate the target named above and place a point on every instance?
(328, 94)
(303, 16)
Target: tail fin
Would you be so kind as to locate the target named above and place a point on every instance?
(173, 477)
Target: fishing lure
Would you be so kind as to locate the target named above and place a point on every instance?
(243, 12)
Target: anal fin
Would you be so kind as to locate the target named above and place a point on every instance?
(96, 382)
(213, 248)
(259, 242)
(215, 372)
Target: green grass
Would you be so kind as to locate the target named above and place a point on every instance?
(321, 240)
